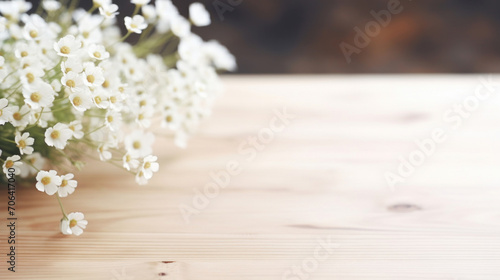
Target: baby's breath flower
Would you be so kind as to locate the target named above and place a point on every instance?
(51, 5)
(149, 166)
(135, 24)
(139, 144)
(140, 2)
(12, 162)
(19, 116)
(58, 136)
(5, 112)
(198, 14)
(67, 186)
(98, 52)
(76, 127)
(180, 26)
(70, 77)
(73, 81)
(74, 223)
(67, 46)
(48, 181)
(130, 162)
(39, 95)
(35, 162)
(109, 11)
(104, 153)
(24, 143)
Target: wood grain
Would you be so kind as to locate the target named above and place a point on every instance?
(322, 178)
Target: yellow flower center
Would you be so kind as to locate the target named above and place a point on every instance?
(72, 223)
(17, 116)
(30, 77)
(97, 54)
(128, 158)
(133, 25)
(110, 119)
(86, 34)
(147, 165)
(65, 50)
(21, 144)
(137, 145)
(64, 183)
(112, 99)
(46, 180)
(35, 97)
(33, 34)
(9, 164)
(55, 134)
(169, 118)
(121, 89)
(24, 53)
(90, 78)
(140, 117)
(67, 70)
(105, 84)
(70, 83)
(77, 101)
(143, 103)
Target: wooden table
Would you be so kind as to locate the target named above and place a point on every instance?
(310, 201)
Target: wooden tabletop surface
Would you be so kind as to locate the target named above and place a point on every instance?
(287, 180)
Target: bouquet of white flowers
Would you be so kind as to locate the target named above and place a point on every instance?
(70, 82)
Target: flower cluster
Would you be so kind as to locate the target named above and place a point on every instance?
(70, 82)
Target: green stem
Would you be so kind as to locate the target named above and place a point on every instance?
(62, 207)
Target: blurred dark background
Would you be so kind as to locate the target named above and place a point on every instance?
(304, 36)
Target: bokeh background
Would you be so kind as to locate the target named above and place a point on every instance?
(304, 36)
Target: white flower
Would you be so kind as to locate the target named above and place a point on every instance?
(36, 162)
(76, 127)
(67, 186)
(94, 75)
(67, 46)
(113, 120)
(149, 13)
(130, 162)
(98, 52)
(72, 64)
(65, 226)
(48, 181)
(100, 98)
(140, 2)
(139, 144)
(20, 116)
(198, 14)
(51, 5)
(101, 3)
(109, 11)
(58, 135)
(73, 81)
(135, 24)
(31, 75)
(74, 224)
(24, 143)
(149, 166)
(40, 95)
(104, 153)
(12, 162)
(180, 26)
(140, 178)
(5, 112)
(82, 101)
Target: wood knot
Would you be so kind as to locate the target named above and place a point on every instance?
(404, 208)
